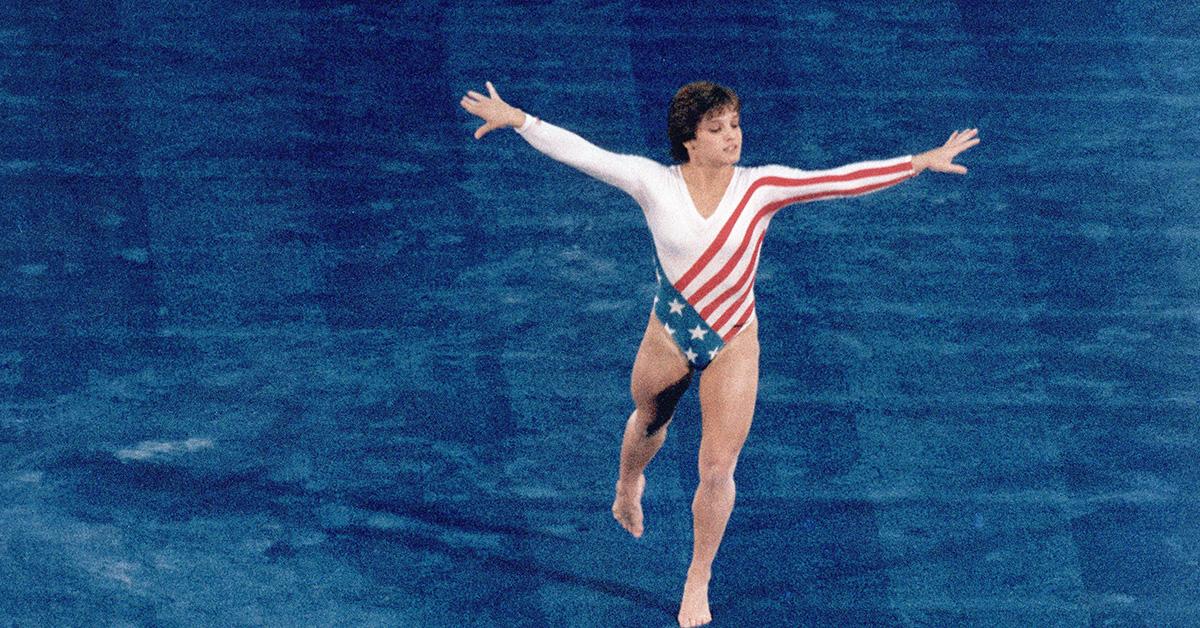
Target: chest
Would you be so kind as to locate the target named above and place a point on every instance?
(705, 199)
(706, 195)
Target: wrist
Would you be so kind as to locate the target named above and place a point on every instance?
(517, 119)
(919, 162)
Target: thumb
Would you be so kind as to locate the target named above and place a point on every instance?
(484, 130)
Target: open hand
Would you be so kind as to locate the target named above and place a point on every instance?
(496, 113)
(941, 159)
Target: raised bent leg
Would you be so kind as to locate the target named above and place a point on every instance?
(727, 393)
(660, 376)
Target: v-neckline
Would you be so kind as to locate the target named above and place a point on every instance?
(692, 201)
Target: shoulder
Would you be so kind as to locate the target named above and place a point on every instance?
(651, 169)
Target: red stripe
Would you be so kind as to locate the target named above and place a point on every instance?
(742, 321)
(741, 298)
(716, 279)
(749, 272)
(720, 276)
(729, 312)
(717, 243)
(766, 210)
(725, 230)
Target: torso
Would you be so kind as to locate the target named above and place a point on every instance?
(708, 229)
(693, 219)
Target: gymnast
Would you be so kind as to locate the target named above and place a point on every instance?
(707, 218)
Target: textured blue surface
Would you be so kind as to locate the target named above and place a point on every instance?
(283, 345)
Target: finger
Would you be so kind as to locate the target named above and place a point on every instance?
(483, 130)
(956, 169)
(968, 134)
(470, 105)
(964, 145)
(492, 89)
(477, 95)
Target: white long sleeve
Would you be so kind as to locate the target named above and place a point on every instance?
(629, 173)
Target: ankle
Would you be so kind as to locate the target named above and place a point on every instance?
(627, 482)
(696, 576)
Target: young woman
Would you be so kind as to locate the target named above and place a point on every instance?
(707, 217)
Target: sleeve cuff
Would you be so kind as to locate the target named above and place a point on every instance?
(529, 120)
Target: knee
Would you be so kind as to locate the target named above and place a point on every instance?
(717, 469)
(656, 426)
(648, 423)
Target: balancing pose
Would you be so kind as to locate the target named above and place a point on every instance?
(707, 217)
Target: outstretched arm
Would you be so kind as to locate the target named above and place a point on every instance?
(784, 186)
(627, 172)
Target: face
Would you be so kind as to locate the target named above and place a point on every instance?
(718, 139)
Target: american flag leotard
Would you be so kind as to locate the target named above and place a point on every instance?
(706, 266)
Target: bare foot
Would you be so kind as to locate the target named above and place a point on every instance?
(627, 507)
(693, 610)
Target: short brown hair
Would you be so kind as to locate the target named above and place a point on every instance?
(689, 106)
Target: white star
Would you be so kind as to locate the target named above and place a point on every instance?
(698, 332)
(691, 355)
(670, 332)
(713, 354)
(676, 307)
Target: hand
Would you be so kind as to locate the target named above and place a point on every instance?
(496, 113)
(942, 159)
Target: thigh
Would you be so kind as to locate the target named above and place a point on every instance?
(728, 389)
(660, 373)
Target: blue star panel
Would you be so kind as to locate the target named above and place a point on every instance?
(698, 342)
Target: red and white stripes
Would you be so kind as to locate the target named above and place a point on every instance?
(720, 283)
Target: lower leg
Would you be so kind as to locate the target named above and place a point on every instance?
(710, 513)
(711, 508)
(660, 376)
(637, 449)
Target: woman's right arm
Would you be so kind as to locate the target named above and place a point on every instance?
(627, 172)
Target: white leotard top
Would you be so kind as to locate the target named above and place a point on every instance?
(712, 261)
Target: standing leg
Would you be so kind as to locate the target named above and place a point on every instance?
(727, 392)
(660, 376)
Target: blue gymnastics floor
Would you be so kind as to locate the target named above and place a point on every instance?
(282, 345)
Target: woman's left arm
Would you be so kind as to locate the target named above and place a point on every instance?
(780, 186)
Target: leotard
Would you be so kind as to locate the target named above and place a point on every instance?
(706, 266)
